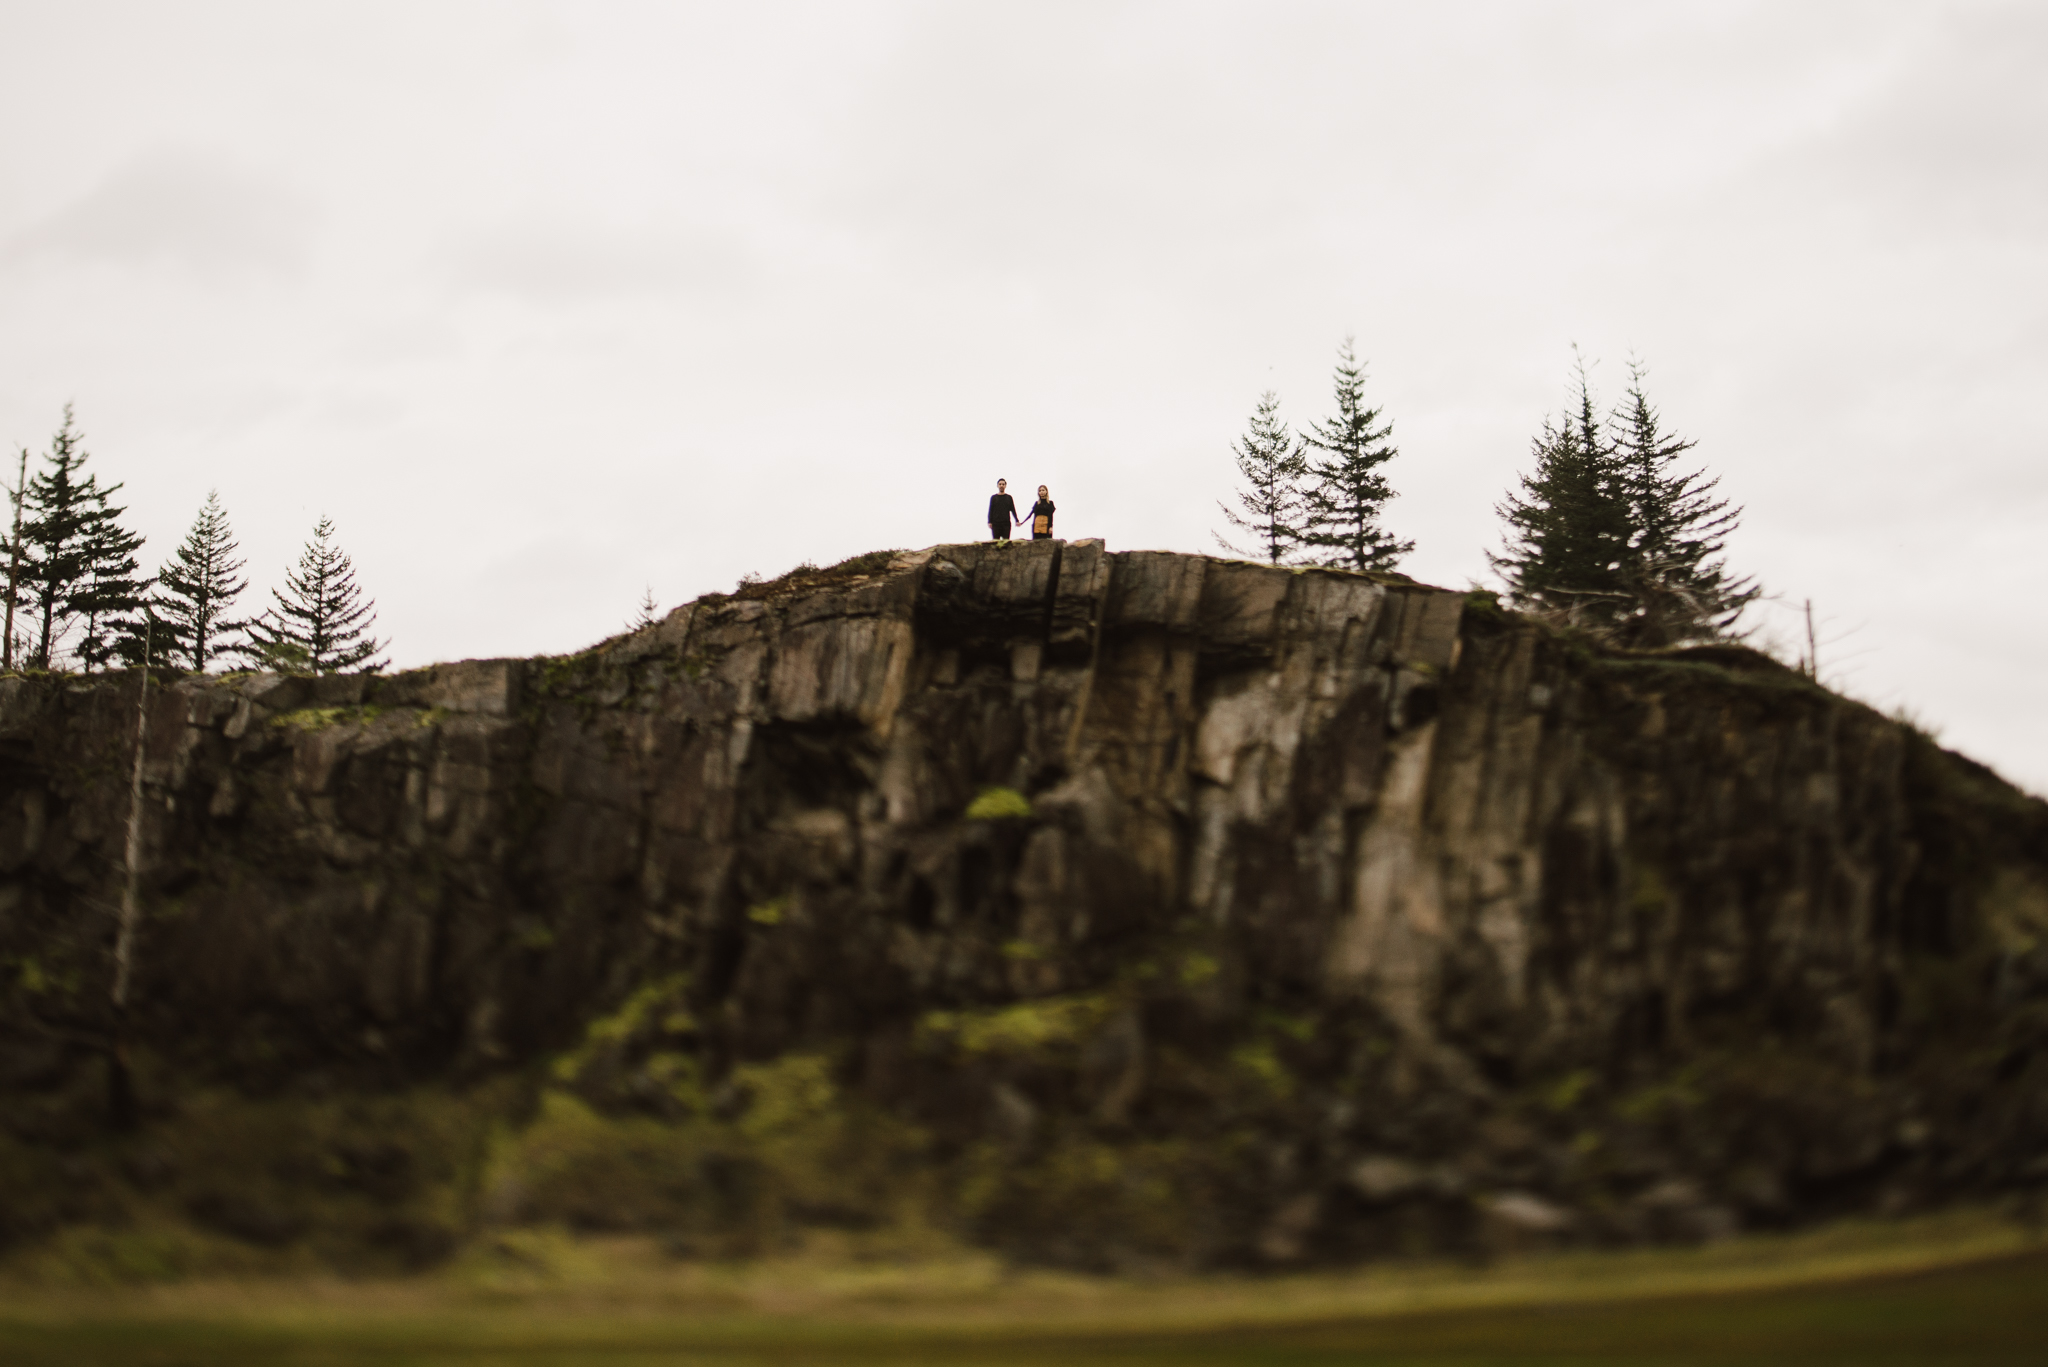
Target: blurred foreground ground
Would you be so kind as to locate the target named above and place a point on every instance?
(1966, 1287)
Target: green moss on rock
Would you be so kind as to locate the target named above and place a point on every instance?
(999, 804)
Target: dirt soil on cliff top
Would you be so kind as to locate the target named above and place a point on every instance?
(1960, 1288)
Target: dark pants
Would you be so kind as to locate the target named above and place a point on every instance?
(1041, 536)
(999, 531)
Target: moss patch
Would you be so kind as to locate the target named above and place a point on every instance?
(999, 804)
(323, 718)
(1024, 1030)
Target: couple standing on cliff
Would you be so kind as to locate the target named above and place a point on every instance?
(1002, 514)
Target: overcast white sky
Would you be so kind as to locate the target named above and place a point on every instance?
(544, 303)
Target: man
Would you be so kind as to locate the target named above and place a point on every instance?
(1002, 513)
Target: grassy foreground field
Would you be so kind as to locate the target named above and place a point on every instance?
(1962, 1288)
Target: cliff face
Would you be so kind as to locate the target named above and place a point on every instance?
(1096, 905)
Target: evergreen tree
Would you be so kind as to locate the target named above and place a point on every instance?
(648, 614)
(111, 605)
(1606, 533)
(1270, 505)
(1344, 502)
(54, 557)
(78, 561)
(1677, 589)
(1569, 527)
(199, 586)
(320, 623)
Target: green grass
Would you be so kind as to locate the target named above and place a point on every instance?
(1966, 1289)
(1984, 1313)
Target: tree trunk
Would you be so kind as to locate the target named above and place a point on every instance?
(120, 1086)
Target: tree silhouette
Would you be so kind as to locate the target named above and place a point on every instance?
(1270, 508)
(320, 623)
(1569, 524)
(199, 585)
(1676, 586)
(78, 564)
(648, 614)
(1349, 490)
(1605, 533)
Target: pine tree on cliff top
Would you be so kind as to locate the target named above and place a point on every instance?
(1349, 490)
(1270, 509)
(198, 588)
(78, 562)
(1605, 533)
(648, 614)
(320, 623)
(1678, 589)
(1569, 526)
(110, 604)
(54, 553)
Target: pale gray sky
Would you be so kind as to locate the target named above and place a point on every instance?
(543, 303)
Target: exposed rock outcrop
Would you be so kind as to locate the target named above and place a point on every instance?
(1137, 904)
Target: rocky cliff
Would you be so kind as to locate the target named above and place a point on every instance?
(1098, 906)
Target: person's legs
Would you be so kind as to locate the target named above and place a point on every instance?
(998, 531)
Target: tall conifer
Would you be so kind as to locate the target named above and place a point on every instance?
(110, 605)
(1678, 588)
(1569, 525)
(1270, 509)
(199, 587)
(1349, 490)
(79, 561)
(320, 623)
(1607, 533)
(53, 539)
(648, 614)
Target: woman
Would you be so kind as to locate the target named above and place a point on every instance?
(1041, 516)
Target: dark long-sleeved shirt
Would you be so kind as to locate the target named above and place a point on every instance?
(1001, 510)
